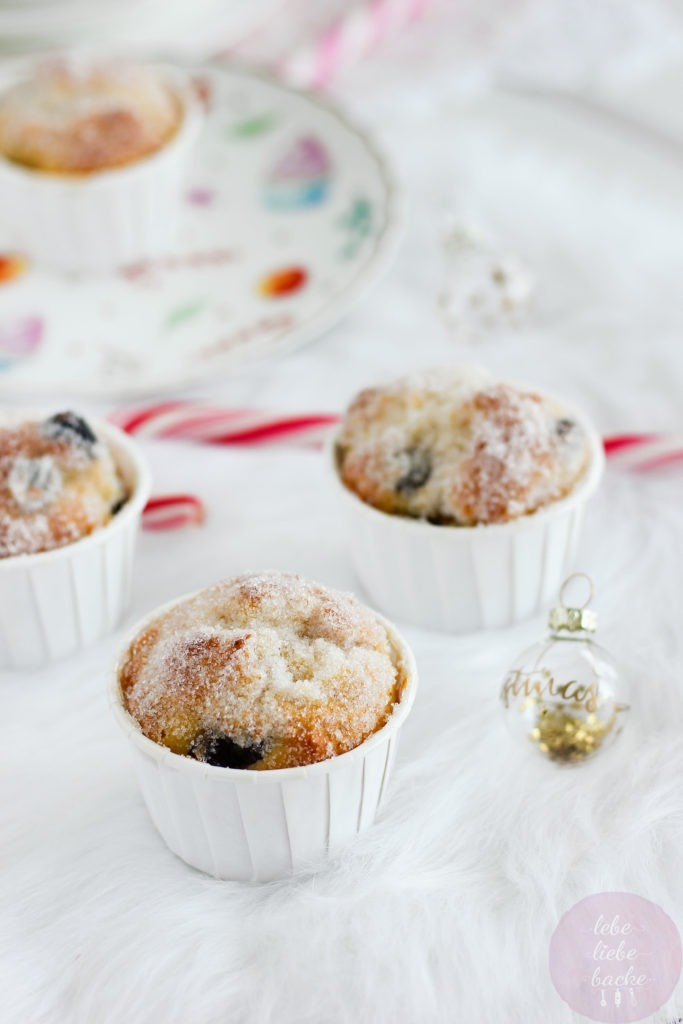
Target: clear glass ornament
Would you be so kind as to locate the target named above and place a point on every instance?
(484, 289)
(565, 695)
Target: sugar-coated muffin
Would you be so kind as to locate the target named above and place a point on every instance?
(268, 670)
(79, 118)
(58, 483)
(456, 447)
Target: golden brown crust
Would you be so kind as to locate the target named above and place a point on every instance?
(277, 665)
(457, 448)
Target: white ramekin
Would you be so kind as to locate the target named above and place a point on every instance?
(261, 825)
(103, 220)
(462, 579)
(55, 603)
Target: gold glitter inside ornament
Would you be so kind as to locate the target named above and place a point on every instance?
(566, 737)
(565, 695)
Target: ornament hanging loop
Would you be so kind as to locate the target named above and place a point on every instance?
(574, 618)
(569, 580)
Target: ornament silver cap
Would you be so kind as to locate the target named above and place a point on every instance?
(574, 618)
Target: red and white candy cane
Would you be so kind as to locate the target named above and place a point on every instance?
(171, 511)
(643, 451)
(191, 421)
(356, 34)
(194, 421)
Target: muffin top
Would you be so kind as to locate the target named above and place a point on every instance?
(268, 670)
(456, 447)
(74, 118)
(58, 483)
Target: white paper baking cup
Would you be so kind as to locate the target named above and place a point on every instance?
(262, 825)
(55, 603)
(462, 579)
(105, 219)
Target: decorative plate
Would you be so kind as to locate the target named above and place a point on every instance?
(290, 214)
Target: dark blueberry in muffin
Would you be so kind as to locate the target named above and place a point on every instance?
(564, 427)
(215, 748)
(118, 505)
(438, 520)
(67, 426)
(418, 472)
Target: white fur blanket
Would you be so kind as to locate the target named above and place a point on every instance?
(444, 910)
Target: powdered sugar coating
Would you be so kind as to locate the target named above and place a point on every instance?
(54, 489)
(274, 662)
(458, 448)
(78, 118)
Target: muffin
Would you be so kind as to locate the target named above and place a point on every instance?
(72, 493)
(463, 496)
(457, 448)
(79, 119)
(92, 162)
(58, 483)
(263, 717)
(262, 672)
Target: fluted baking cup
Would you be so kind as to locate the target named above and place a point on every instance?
(461, 579)
(261, 825)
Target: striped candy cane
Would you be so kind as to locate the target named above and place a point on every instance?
(171, 511)
(643, 451)
(190, 421)
(355, 35)
(193, 421)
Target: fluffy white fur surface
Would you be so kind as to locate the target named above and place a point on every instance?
(445, 909)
